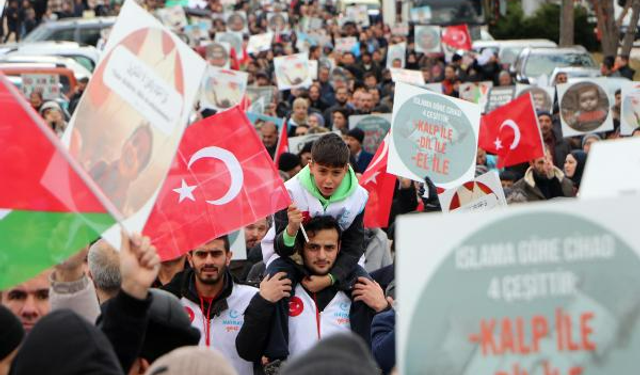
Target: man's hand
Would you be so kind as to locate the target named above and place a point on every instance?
(139, 265)
(276, 287)
(370, 293)
(295, 220)
(71, 269)
(314, 283)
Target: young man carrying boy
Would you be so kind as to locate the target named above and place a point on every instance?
(326, 187)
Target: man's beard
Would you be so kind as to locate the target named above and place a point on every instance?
(211, 280)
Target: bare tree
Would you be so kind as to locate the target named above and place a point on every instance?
(607, 25)
(566, 24)
(630, 35)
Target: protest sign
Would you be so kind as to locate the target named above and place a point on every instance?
(482, 194)
(612, 169)
(260, 97)
(396, 54)
(427, 39)
(433, 135)
(233, 38)
(346, 44)
(238, 245)
(549, 288)
(375, 128)
(259, 43)
(435, 87)
(278, 22)
(130, 120)
(292, 71)
(237, 22)
(542, 96)
(630, 109)
(413, 77)
(313, 69)
(297, 143)
(172, 17)
(400, 29)
(47, 84)
(305, 41)
(476, 92)
(420, 14)
(499, 96)
(198, 32)
(222, 88)
(358, 14)
(584, 107)
(218, 54)
(259, 119)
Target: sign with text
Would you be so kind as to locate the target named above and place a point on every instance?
(433, 135)
(499, 96)
(375, 128)
(482, 194)
(130, 120)
(548, 288)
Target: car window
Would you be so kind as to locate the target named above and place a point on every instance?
(538, 64)
(84, 61)
(508, 55)
(38, 34)
(63, 35)
(90, 35)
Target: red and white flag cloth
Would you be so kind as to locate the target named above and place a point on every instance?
(283, 144)
(380, 186)
(221, 179)
(457, 37)
(512, 133)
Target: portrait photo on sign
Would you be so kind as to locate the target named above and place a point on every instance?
(218, 54)
(234, 39)
(584, 107)
(427, 39)
(237, 22)
(630, 109)
(292, 71)
(542, 99)
(396, 55)
(278, 22)
(222, 88)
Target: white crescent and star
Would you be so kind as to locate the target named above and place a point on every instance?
(373, 164)
(516, 131)
(232, 164)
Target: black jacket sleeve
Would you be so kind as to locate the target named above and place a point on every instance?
(351, 249)
(124, 322)
(254, 333)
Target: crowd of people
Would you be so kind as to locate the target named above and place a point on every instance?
(114, 312)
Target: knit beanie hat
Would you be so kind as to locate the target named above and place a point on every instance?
(288, 161)
(12, 332)
(344, 354)
(590, 136)
(356, 133)
(192, 360)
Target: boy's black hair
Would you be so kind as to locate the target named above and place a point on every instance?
(315, 225)
(330, 151)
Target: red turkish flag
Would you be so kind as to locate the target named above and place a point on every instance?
(457, 37)
(245, 103)
(283, 144)
(380, 186)
(512, 133)
(221, 179)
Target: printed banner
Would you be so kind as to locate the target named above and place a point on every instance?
(278, 22)
(222, 88)
(549, 288)
(630, 109)
(476, 92)
(433, 135)
(346, 44)
(413, 77)
(542, 96)
(482, 194)
(292, 71)
(260, 97)
(427, 39)
(612, 169)
(173, 17)
(47, 84)
(585, 107)
(237, 22)
(259, 43)
(358, 14)
(297, 143)
(499, 96)
(375, 128)
(396, 55)
(420, 14)
(132, 115)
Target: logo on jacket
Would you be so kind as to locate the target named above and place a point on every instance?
(190, 312)
(344, 306)
(295, 306)
(233, 314)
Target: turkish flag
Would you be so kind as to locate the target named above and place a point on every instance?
(221, 179)
(512, 133)
(245, 103)
(283, 143)
(457, 37)
(380, 186)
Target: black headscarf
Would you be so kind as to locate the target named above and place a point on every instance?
(581, 158)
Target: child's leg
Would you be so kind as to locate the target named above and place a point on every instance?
(278, 342)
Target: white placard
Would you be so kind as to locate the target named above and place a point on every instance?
(427, 39)
(234, 39)
(346, 44)
(259, 43)
(585, 107)
(292, 71)
(396, 53)
(630, 109)
(47, 84)
(222, 89)
(482, 194)
(413, 77)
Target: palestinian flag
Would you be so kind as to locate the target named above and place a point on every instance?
(47, 211)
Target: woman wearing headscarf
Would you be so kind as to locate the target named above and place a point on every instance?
(574, 167)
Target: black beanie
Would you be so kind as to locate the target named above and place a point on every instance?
(357, 134)
(12, 332)
(343, 353)
(288, 161)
